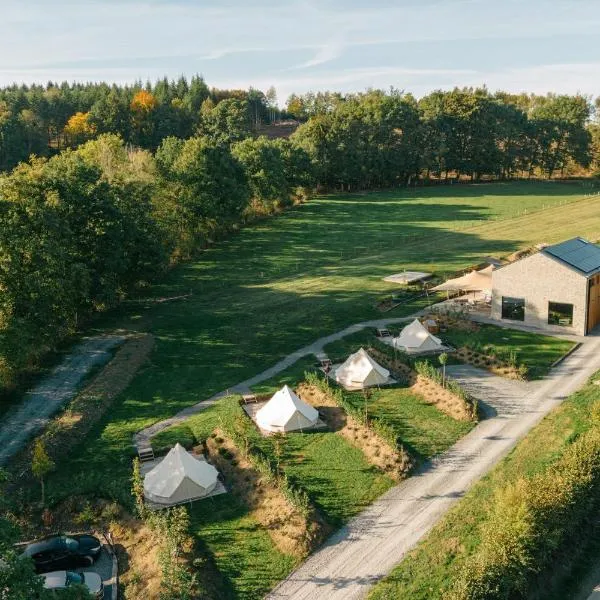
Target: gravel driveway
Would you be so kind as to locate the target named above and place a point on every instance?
(103, 566)
(373, 542)
(21, 424)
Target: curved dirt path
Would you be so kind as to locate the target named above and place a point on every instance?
(33, 414)
(142, 438)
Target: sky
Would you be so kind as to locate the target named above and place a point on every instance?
(344, 45)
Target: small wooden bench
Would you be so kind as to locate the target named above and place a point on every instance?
(146, 454)
(384, 333)
(247, 398)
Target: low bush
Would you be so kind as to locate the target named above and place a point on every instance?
(238, 428)
(426, 369)
(340, 398)
(532, 521)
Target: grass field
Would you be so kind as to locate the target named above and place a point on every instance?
(334, 474)
(248, 562)
(423, 430)
(287, 281)
(429, 570)
(537, 352)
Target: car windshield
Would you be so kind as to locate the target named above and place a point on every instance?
(73, 578)
(71, 544)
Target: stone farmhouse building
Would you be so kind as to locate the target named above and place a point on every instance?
(556, 289)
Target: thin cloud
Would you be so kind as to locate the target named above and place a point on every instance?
(325, 54)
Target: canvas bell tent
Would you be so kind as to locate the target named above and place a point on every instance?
(415, 338)
(179, 478)
(286, 412)
(361, 371)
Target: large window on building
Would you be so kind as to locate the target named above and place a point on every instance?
(513, 308)
(560, 314)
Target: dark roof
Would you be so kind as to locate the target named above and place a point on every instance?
(579, 254)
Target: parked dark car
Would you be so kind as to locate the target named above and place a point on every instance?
(63, 552)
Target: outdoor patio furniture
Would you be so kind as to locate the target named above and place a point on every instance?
(248, 398)
(383, 333)
(146, 454)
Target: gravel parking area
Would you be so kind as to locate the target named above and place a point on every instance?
(104, 567)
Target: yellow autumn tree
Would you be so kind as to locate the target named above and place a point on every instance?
(79, 127)
(143, 101)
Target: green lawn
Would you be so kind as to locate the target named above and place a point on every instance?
(335, 475)
(537, 352)
(247, 560)
(291, 376)
(284, 282)
(423, 429)
(429, 570)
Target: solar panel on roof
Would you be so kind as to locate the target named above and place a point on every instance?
(578, 253)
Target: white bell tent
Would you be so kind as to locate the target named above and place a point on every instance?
(361, 371)
(179, 477)
(286, 412)
(415, 338)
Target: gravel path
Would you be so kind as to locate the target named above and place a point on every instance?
(19, 425)
(142, 438)
(372, 543)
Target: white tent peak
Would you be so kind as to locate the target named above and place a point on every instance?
(179, 477)
(285, 411)
(415, 337)
(360, 370)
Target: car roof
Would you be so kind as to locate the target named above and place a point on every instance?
(56, 579)
(42, 545)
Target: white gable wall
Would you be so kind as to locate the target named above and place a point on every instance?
(539, 280)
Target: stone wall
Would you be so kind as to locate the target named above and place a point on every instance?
(539, 280)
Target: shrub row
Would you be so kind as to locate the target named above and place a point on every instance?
(239, 429)
(426, 369)
(532, 522)
(342, 400)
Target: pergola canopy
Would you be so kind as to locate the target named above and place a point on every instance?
(475, 281)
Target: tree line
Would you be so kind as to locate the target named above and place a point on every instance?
(81, 228)
(43, 120)
(377, 139)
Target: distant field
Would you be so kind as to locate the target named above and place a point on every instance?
(282, 283)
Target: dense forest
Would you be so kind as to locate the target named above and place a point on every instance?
(112, 185)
